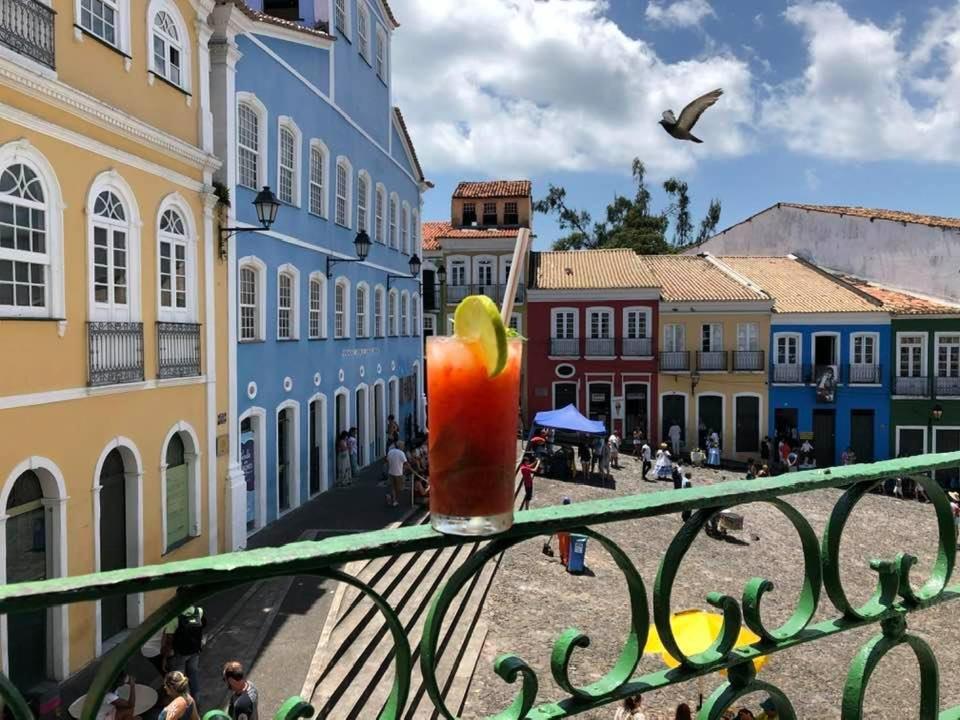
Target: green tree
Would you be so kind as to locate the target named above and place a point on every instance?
(629, 223)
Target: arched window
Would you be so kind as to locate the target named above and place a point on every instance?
(318, 178)
(317, 310)
(415, 232)
(27, 267)
(381, 54)
(341, 15)
(378, 312)
(405, 229)
(169, 46)
(287, 303)
(251, 141)
(363, 200)
(392, 313)
(176, 265)
(288, 161)
(415, 313)
(251, 294)
(113, 251)
(393, 221)
(361, 310)
(177, 493)
(341, 308)
(108, 20)
(363, 30)
(379, 234)
(344, 179)
(404, 313)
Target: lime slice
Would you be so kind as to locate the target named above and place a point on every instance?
(477, 318)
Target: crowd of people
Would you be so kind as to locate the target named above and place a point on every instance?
(632, 709)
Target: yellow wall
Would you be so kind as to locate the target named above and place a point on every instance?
(727, 384)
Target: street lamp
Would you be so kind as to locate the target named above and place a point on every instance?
(361, 242)
(414, 265)
(442, 275)
(266, 205)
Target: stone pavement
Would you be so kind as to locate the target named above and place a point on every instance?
(264, 625)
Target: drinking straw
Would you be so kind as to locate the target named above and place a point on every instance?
(516, 269)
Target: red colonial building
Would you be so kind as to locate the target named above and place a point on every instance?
(591, 331)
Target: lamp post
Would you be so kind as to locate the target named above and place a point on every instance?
(266, 205)
(362, 244)
(414, 271)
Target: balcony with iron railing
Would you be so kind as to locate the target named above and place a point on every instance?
(860, 374)
(600, 347)
(947, 386)
(712, 360)
(674, 361)
(178, 350)
(565, 347)
(916, 386)
(788, 373)
(748, 360)
(456, 293)
(115, 353)
(824, 610)
(637, 347)
(27, 28)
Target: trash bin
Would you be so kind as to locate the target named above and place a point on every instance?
(578, 553)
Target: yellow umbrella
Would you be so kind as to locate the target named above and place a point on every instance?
(695, 631)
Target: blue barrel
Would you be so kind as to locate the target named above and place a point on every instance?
(578, 553)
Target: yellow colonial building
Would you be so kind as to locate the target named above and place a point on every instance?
(111, 294)
(714, 337)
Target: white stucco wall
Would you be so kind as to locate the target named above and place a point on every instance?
(910, 256)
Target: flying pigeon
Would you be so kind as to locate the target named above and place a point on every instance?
(680, 129)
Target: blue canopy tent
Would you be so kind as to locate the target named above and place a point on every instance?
(567, 419)
(570, 429)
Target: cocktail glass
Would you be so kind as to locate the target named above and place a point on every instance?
(473, 436)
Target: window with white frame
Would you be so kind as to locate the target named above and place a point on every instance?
(787, 350)
(393, 221)
(864, 349)
(168, 50)
(344, 176)
(748, 337)
(248, 146)
(379, 234)
(250, 305)
(674, 337)
(318, 172)
(174, 260)
(102, 19)
(111, 252)
(405, 229)
(636, 323)
(404, 316)
(316, 308)
(341, 16)
(363, 30)
(392, 313)
(363, 188)
(415, 314)
(361, 310)
(711, 337)
(600, 324)
(458, 272)
(286, 305)
(564, 324)
(948, 356)
(911, 355)
(489, 213)
(415, 231)
(429, 322)
(378, 312)
(25, 253)
(340, 318)
(381, 54)
(288, 177)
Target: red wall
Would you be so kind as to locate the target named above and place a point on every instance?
(541, 369)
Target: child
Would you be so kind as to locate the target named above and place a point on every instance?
(527, 468)
(647, 463)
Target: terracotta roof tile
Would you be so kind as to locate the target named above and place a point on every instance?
(901, 302)
(690, 278)
(892, 215)
(799, 287)
(590, 270)
(436, 231)
(493, 189)
(280, 22)
(393, 18)
(413, 150)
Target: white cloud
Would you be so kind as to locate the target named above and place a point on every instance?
(866, 94)
(811, 178)
(680, 13)
(523, 86)
(758, 21)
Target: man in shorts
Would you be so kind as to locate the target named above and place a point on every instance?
(397, 465)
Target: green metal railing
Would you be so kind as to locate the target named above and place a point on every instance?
(888, 608)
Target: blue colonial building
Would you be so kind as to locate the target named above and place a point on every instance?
(828, 341)
(325, 305)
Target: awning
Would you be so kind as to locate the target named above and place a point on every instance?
(568, 418)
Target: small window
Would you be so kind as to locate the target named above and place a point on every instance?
(711, 337)
(173, 261)
(25, 260)
(381, 55)
(167, 49)
(564, 324)
(415, 231)
(363, 30)
(285, 307)
(489, 213)
(510, 215)
(248, 304)
(415, 320)
(565, 371)
(318, 164)
(392, 313)
(469, 214)
(405, 229)
(340, 309)
(343, 192)
(404, 317)
(361, 311)
(864, 349)
(363, 184)
(110, 252)
(101, 18)
(381, 203)
(340, 16)
(248, 146)
(393, 222)
(600, 324)
(428, 329)
(378, 313)
(316, 308)
(288, 166)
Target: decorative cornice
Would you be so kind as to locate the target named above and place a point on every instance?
(96, 111)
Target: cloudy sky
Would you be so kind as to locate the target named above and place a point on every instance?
(852, 102)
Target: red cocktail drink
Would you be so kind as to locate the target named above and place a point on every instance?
(473, 436)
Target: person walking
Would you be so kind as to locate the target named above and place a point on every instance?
(352, 448)
(397, 465)
(344, 476)
(243, 698)
(647, 462)
(637, 443)
(182, 705)
(605, 463)
(186, 640)
(663, 469)
(614, 442)
(674, 434)
(393, 431)
(583, 453)
(528, 467)
(596, 448)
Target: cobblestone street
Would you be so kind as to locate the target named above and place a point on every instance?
(533, 599)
